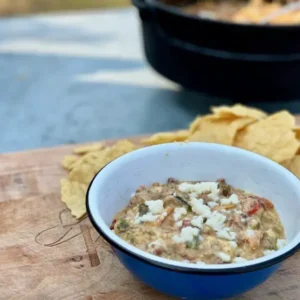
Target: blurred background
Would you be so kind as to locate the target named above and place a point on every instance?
(8, 7)
(74, 71)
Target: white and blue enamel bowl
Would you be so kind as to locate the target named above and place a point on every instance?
(111, 190)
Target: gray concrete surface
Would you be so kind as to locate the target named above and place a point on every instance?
(82, 77)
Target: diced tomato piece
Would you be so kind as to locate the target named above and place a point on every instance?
(254, 209)
(158, 251)
(267, 203)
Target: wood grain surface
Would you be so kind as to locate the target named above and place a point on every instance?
(47, 254)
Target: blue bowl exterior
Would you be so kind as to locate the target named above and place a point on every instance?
(194, 286)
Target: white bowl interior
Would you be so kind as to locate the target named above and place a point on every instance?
(113, 186)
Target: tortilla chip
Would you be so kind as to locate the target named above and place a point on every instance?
(69, 161)
(294, 166)
(297, 132)
(86, 167)
(90, 157)
(221, 131)
(73, 195)
(238, 110)
(110, 153)
(196, 123)
(286, 163)
(271, 137)
(83, 169)
(166, 137)
(88, 148)
(282, 118)
(82, 173)
(123, 146)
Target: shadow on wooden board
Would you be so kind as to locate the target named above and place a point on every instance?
(13, 7)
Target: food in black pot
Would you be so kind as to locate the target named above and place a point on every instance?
(226, 59)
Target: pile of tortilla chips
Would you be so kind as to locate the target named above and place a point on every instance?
(82, 167)
(274, 136)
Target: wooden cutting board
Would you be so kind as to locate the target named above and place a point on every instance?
(46, 254)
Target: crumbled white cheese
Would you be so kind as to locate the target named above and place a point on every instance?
(186, 235)
(281, 243)
(148, 217)
(224, 201)
(209, 187)
(199, 188)
(155, 244)
(179, 223)
(155, 206)
(216, 220)
(239, 260)
(214, 195)
(186, 187)
(233, 199)
(179, 212)
(226, 234)
(233, 244)
(194, 195)
(199, 208)
(212, 204)
(194, 198)
(224, 256)
(197, 221)
(199, 262)
(250, 233)
(239, 212)
(268, 252)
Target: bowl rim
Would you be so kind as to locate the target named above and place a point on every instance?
(180, 13)
(238, 269)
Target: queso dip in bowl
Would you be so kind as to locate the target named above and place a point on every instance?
(217, 205)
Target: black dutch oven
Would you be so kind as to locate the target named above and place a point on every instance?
(239, 61)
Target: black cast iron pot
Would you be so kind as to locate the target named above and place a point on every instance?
(239, 61)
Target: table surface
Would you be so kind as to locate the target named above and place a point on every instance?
(45, 254)
(79, 77)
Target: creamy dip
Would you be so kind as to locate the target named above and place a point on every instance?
(200, 222)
